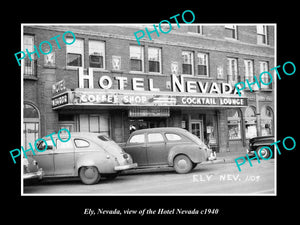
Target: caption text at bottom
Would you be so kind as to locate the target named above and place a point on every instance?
(149, 211)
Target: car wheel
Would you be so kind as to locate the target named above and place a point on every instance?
(182, 164)
(264, 153)
(89, 175)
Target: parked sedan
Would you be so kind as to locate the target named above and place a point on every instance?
(256, 143)
(168, 146)
(87, 155)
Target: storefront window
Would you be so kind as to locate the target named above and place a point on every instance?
(234, 124)
(250, 121)
(266, 121)
(94, 123)
(31, 124)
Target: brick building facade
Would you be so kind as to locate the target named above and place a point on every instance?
(106, 82)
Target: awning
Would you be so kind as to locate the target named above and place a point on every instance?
(94, 98)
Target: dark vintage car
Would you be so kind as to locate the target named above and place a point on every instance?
(166, 146)
(256, 143)
(87, 155)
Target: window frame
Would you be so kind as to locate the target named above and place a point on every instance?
(159, 60)
(192, 62)
(159, 141)
(81, 139)
(198, 63)
(76, 48)
(229, 71)
(247, 71)
(168, 140)
(101, 45)
(233, 29)
(263, 34)
(131, 47)
(264, 66)
(28, 70)
(144, 142)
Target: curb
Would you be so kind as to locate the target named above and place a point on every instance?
(217, 161)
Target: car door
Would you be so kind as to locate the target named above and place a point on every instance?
(156, 149)
(64, 161)
(136, 148)
(45, 158)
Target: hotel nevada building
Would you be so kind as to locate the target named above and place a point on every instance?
(105, 82)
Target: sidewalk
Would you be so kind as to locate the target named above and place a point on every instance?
(226, 157)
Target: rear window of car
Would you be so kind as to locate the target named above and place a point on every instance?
(173, 137)
(80, 143)
(104, 138)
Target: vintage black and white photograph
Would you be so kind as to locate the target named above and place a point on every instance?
(165, 108)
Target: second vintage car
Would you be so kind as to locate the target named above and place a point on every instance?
(256, 143)
(166, 146)
(87, 155)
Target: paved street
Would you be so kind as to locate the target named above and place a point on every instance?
(220, 178)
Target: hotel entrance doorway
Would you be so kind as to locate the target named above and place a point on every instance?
(197, 128)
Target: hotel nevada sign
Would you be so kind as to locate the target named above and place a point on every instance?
(183, 93)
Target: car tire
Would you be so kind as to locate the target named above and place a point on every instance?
(264, 154)
(182, 164)
(89, 175)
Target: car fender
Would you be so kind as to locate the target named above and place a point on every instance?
(194, 152)
(104, 164)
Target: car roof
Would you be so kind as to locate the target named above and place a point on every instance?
(160, 129)
(76, 134)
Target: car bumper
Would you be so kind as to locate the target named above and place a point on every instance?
(126, 167)
(39, 175)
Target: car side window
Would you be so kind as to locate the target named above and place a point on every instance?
(41, 145)
(173, 137)
(63, 146)
(137, 139)
(80, 143)
(155, 137)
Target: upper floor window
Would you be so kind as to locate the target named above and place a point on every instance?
(232, 70)
(261, 34)
(97, 54)
(231, 31)
(136, 58)
(28, 64)
(187, 62)
(75, 52)
(202, 64)
(154, 59)
(263, 66)
(249, 70)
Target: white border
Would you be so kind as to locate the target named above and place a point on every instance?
(138, 25)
